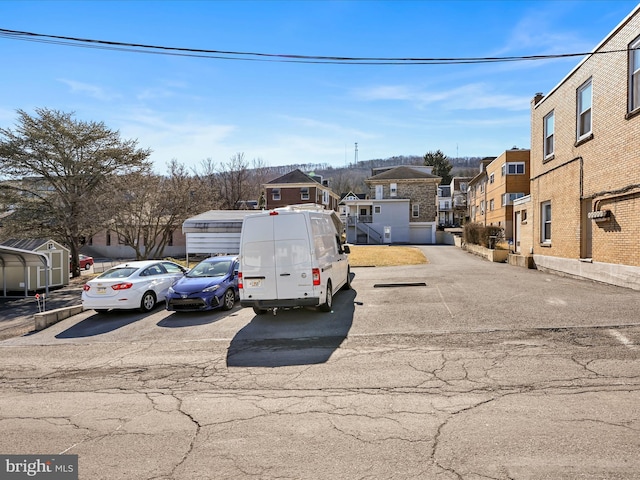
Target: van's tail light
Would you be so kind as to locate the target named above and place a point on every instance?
(122, 286)
(240, 280)
(315, 272)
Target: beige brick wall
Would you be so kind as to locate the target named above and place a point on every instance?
(604, 170)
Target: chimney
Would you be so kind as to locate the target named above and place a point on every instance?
(536, 99)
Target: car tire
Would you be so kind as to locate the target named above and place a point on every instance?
(259, 311)
(101, 310)
(87, 266)
(148, 301)
(328, 303)
(228, 299)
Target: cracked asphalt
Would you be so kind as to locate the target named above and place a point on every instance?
(485, 372)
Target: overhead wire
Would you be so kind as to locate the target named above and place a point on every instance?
(273, 57)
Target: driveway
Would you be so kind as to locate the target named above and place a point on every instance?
(458, 369)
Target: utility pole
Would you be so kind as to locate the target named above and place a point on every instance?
(356, 154)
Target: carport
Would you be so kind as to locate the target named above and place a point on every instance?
(14, 258)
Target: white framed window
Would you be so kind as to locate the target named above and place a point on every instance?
(304, 193)
(482, 207)
(492, 178)
(584, 110)
(549, 130)
(377, 209)
(508, 198)
(325, 197)
(415, 210)
(393, 190)
(491, 205)
(513, 168)
(545, 222)
(634, 75)
(379, 190)
(275, 194)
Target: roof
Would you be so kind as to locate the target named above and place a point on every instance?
(216, 221)
(295, 176)
(26, 243)
(403, 173)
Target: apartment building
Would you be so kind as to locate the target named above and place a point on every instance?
(584, 211)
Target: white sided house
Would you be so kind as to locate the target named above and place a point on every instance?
(401, 208)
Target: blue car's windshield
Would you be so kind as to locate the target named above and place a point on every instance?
(209, 269)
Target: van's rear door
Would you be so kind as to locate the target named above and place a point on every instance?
(258, 258)
(293, 269)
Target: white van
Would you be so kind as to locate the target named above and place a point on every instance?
(292, 257)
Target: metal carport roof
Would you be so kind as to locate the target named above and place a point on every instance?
(17, 257)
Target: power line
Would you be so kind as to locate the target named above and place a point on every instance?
(272, 57)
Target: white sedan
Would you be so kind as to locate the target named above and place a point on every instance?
(140, 284)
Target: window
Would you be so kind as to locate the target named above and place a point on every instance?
(492, 178)
(393, 189)
(584, 110)
(549, 127)
(513, 168)
(482, 207)
(634, 75)
(415, 210)
(377, 209)
(325, 197)
(304, 193)
(545, 227)
(491, 205)
(523, 216)
(275, 194)
(108, 239)
(508, 198)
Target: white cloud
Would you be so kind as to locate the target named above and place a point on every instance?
(474, 96)
(93, 91)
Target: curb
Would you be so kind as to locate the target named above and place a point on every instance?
(46, 319)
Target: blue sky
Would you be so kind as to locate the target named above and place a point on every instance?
(282, 113)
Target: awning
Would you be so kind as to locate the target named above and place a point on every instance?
(17, 257)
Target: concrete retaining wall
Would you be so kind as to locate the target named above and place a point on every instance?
(46, 319)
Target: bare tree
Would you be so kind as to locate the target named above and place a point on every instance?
(150, 208)
(232, 180)
(57, 169)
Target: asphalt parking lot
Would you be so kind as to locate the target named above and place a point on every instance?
(459, 368)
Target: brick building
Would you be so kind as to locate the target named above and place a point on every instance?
(585, 165)
(297, 187)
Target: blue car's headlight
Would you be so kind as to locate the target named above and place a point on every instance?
(212, 288)
(171, 290)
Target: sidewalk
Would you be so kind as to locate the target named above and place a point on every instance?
(16, 314)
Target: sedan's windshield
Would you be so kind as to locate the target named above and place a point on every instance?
(210, 269)
(122, 272)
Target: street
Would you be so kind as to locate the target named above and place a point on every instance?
(457, 369)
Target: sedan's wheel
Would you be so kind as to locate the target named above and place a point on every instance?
(148, 301)
(326, 306)
(259, 311)
(228, 300)
(101, 310)
(87, 266)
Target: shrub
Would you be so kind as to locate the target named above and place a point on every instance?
(472, 233)
(478, 234)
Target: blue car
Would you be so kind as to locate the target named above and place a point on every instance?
(212, 283)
